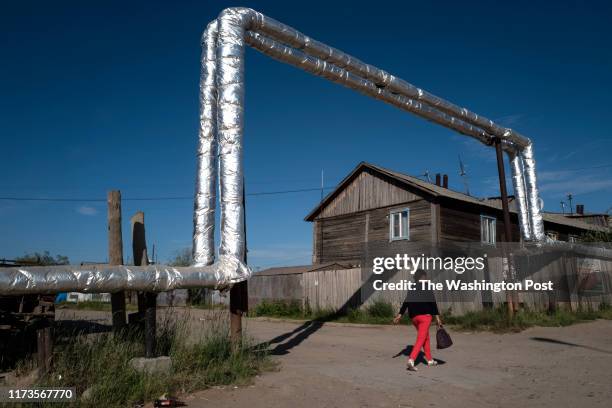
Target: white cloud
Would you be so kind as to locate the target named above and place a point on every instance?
(86, 210)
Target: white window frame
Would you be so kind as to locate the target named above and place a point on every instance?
(572, 238)
(490, 221)
(401, 226)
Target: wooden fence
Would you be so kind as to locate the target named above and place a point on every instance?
(579, 281)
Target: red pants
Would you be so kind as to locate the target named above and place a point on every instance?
(421, 322)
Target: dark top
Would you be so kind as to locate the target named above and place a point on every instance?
(419, 302)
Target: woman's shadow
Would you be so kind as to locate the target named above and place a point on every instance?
(420, 358)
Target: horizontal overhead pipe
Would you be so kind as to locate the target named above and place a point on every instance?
(240, 26)
(341, 76)
(258, 22)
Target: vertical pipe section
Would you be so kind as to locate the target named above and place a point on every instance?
(518, 185)
(206, 177)
(533, 198)
(230, 111)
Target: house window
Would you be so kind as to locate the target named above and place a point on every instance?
(488, 229)
(552, 235)
(572, 238)
(399, 224)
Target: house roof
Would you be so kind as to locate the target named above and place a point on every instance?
(439, 191)
(293, 270)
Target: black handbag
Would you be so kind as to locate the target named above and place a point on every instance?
(443, 339)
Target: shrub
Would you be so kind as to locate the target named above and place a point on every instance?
(100, 363)
(380, 308)
(279, 308)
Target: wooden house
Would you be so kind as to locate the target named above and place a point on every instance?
(376, 211)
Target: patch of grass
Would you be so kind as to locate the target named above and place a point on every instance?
(381, 312)
(380, 308)
(378, 312)
(497, 319)
(100, 363)
(278, 308)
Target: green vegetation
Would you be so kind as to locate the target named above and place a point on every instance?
(596, 236)
(45, 258)
(381, 312)
(196, 297)
(378, 312)
(497, 320)
(100, 364)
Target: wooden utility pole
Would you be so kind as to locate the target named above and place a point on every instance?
(239, 293)
(507, 226)
(115, 255)
(147, 301)
(44, 342)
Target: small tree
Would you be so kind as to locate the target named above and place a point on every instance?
(45, 258)
(184, 257)
(597, 236)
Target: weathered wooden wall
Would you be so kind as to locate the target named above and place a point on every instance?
(357, 220)
(317, 290)
(368, 191)
(352, 288)
(275, 287)
(333, 289)
(461, 222)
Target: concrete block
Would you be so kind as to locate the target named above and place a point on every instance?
(161, 364)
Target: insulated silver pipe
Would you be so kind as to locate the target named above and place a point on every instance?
(341, 76)
(101, 279)
(206, 176)
(323, 69)
(518, 185)
(281, 42)
(230, 128)
(533, 196)
(297, 40)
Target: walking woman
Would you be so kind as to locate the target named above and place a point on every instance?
(422, 308)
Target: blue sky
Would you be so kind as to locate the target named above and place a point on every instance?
(104, 95)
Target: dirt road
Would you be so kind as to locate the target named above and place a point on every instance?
(339, 366)
(333, 365)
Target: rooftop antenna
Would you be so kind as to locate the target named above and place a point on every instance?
(426, 175)
(322, 185)
(464, 175)
(569, 198)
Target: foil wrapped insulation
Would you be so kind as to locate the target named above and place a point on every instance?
(115, 278)
(532, 194)
(206, 175)
(518, 185)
